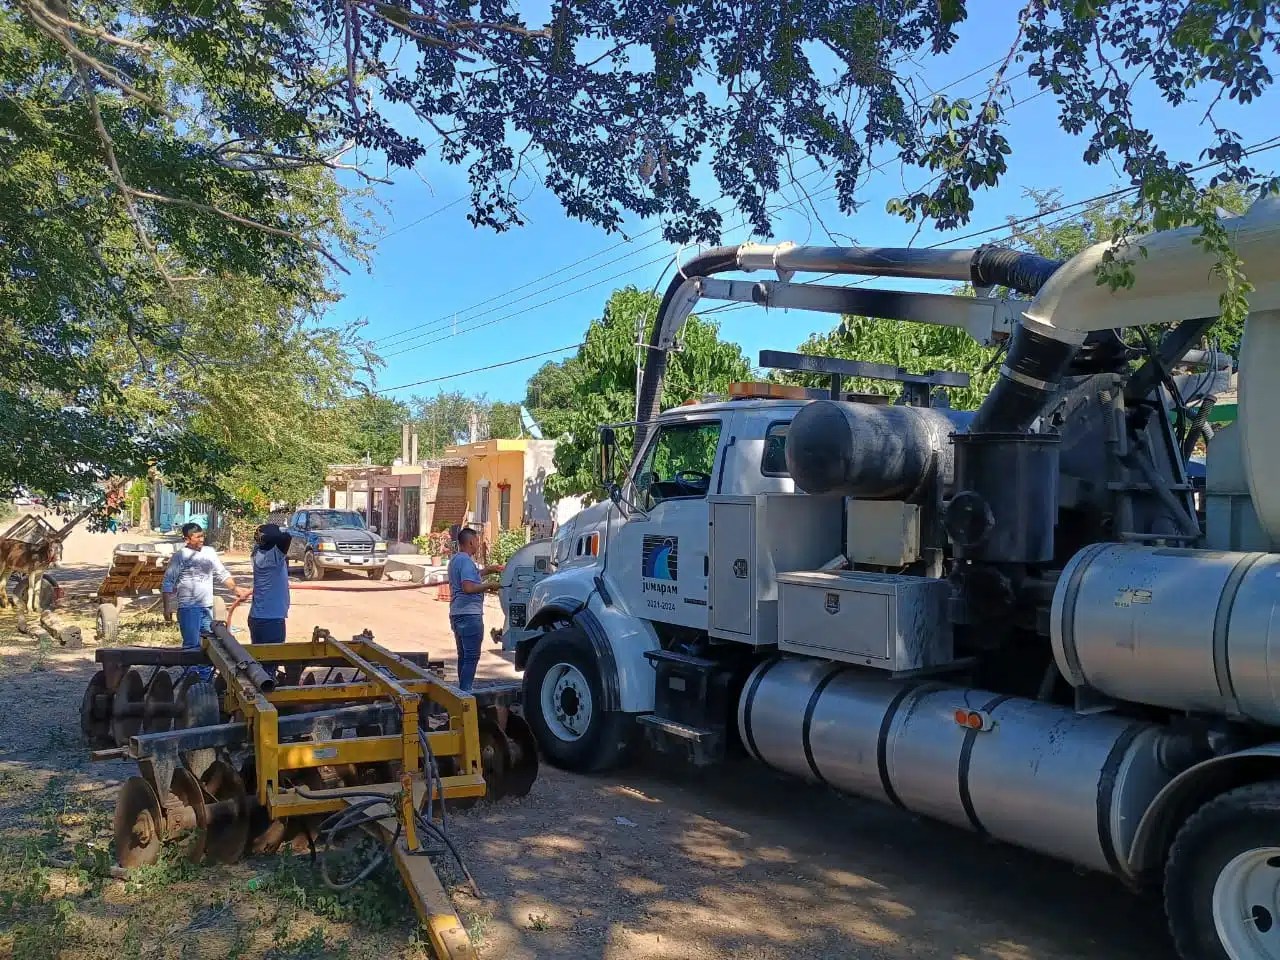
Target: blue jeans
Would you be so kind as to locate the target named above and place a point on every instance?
(468, 632)
(192, 621)
(266, 631)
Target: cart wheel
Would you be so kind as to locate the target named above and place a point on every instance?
(108, 627)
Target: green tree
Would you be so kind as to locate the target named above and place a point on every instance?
(373, 427)
(615, 105)
(504, 420)
(447, 418)
(158, 294)
(598, 385)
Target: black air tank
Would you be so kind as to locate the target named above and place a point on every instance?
(871, 451)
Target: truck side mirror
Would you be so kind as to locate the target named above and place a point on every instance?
(608, 444)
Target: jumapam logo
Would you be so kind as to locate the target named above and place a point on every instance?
(659, 563)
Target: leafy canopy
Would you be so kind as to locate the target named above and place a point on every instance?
(159, 298)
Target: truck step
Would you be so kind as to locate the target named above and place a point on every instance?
(683, 731)
(701, 747)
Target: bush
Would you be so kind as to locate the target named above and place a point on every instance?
(509, 541)
(435, 545)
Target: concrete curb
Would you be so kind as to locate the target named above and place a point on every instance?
(418, 573)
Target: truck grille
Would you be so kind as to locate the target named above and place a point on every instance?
(355, 548)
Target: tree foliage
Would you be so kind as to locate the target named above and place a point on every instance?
(158, 301)
(616, 105)
(373, 427)
(597, 386)
(447, 419)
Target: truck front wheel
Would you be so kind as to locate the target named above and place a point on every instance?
(563, 701)
(311, 569)
(1222, 879)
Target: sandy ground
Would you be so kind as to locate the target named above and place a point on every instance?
(647, 864)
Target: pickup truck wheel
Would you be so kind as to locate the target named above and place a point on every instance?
(377, 573)
(1222, 878)
(563, 701)
(311, 569)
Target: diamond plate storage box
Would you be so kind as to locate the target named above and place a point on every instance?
(879, 620)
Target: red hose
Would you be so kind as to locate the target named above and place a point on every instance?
(341, 589)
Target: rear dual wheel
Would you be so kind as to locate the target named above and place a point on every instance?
(1222, 878)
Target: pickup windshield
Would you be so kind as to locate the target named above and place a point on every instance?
(334, 520)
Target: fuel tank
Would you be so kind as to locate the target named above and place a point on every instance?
(1029, 773)
(1191, 630)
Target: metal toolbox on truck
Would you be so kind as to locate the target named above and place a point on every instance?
(752, 539)
(889, 621)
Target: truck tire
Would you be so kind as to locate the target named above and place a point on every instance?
(563, 701)
(311, 569)
(377, 573)
(1221, 877)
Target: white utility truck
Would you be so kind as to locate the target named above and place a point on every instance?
(1027, 620)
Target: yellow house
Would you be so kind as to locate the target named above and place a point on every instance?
(505, 483)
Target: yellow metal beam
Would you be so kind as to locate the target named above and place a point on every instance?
(320, 753)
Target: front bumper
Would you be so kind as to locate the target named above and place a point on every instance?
(345, 561)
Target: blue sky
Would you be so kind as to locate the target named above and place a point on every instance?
(425, 272)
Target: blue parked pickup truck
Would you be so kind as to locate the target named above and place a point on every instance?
(326, 540)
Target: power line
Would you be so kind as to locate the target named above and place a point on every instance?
(492, 366)
(424, 217)
(407, 333)
(1011, 226)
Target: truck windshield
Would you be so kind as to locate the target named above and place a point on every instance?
(334, 520)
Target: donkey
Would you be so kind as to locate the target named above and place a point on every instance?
(32, 559)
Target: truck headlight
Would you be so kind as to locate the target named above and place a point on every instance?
(380, 547)
(326, 545)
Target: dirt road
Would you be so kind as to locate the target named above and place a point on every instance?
(731, 862)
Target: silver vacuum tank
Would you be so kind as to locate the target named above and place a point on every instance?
(1029, 773)
(1190, 630)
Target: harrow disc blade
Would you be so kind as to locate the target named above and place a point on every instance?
(227, 833)
(523, 769)
(495, 757)
(160, 693)
(131, 692)
(95, 716)
(185, 791)
(138, 824)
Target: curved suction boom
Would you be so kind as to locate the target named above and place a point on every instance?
(983, 267)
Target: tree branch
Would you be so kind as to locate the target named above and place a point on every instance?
(236, 218)
(87, 31)
(82, 59)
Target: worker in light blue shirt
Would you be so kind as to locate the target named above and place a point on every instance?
(466, 603)
(270, 607)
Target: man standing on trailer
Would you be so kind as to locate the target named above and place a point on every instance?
(188, 584)
(466, 603)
